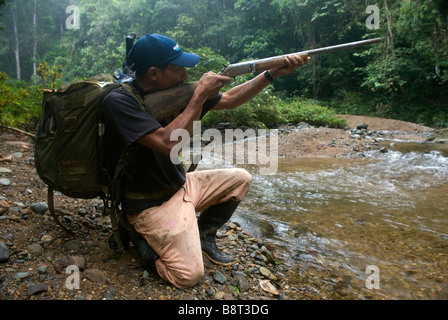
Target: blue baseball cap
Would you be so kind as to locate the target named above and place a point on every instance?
(155, 50)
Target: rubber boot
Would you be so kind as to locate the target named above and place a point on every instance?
(209, 222)
(145, 252)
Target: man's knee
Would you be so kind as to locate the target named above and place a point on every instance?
(244, 175)
(244, 181)
(188, 279)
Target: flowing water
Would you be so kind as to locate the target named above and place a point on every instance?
(371, 228)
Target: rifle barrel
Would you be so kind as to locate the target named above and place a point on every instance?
(278, 61)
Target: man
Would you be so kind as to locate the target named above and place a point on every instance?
(160, 199)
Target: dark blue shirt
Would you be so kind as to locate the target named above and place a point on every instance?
(148, 170)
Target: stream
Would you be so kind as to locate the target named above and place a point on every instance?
(370, 228)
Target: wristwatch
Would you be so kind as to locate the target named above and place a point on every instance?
(268, 76)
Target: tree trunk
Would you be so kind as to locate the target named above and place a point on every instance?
(389, 28)
(16, 50)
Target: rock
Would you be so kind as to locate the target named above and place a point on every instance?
(39, 207)
(78, 261)
(95, 275)
(74, 245)
(267, 286)
(267, 273)
(17, 155)
(268, 254)
(37, 288)
(5, 170)
(21, 275)
(47, 239)
(4, 207)
(109, 296)
(219, 277)
(219, 295)
(240, 281)
(5, 181)
(4, 253)
(362, 126)
(36, 249)
(232, 225)
(439, 136)
(42, 269)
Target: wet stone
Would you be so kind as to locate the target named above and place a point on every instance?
(34, 289)
(39, 207)
(21, 275)
(5, 181)
(36, 249)
(219, 277)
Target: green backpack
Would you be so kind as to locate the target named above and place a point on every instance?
(68, 149)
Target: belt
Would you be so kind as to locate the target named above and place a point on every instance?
(150, 195)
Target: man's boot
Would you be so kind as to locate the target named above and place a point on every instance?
(209, 222)
(145, 252)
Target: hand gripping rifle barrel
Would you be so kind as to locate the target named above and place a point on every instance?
(171, 102)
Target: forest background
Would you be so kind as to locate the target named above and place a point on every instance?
(44, 44)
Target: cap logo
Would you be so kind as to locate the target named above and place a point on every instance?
(176, 47)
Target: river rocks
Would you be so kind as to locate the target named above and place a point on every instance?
(438, 136)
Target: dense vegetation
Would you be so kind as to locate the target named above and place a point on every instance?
(405, 77)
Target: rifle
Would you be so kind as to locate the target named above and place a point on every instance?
(171, 102)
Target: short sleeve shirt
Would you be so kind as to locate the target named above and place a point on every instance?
(125, 122)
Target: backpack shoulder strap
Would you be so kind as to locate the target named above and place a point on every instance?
(116, 190)
(132, 90)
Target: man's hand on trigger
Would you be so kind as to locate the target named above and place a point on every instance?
(210, 84)
(292, 63)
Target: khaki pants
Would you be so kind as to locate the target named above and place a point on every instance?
(172, 229)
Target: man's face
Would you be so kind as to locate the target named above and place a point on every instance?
(171, 77)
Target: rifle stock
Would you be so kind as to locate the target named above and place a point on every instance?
(171, 102)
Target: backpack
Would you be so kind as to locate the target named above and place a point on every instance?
(68, 149)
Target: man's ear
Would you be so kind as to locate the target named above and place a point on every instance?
(152, 73)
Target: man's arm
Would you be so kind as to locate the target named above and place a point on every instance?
(246, 91)
(160, 140)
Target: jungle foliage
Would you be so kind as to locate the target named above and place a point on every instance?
(404, 77)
